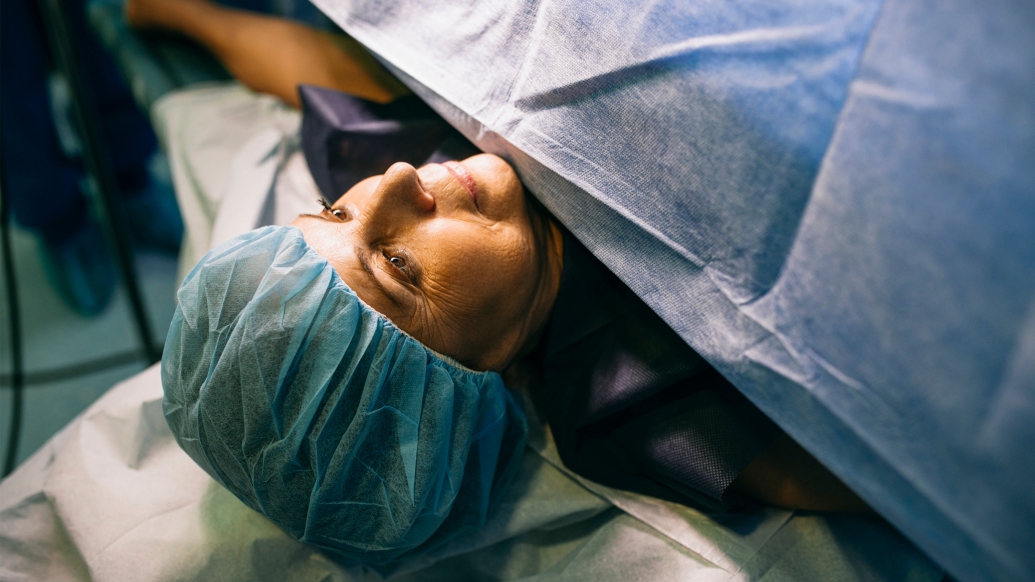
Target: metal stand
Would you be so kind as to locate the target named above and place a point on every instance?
(64, 48)
(17, 375)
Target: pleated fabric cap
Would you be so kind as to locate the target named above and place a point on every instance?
(315, 410)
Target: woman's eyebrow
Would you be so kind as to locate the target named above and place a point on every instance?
(365, 264)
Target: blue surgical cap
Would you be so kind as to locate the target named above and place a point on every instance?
(315, 410)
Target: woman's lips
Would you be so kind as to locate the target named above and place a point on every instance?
(464, 177)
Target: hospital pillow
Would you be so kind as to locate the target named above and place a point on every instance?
(315, 410)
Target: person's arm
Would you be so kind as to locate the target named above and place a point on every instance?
(786, 475)
(268, 54)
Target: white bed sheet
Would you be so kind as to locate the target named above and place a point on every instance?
(113, 498)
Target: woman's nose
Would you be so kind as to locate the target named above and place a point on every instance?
(401, 190)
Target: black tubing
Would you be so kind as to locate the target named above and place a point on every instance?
(17, 374)
(63, 46)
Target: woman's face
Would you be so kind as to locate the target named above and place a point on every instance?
(447, 252)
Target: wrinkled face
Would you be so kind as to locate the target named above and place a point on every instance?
(447, 252)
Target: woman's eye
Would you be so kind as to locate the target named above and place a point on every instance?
(396, 261)
(338, 213)
(399, 263)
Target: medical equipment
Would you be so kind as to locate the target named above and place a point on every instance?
(63, 46)
(352, 139)
(316, 411)
(14, 331)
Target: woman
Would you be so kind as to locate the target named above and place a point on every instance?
(458, 257)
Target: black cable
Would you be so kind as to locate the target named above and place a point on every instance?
(63, 45)
(47, 376)
(17, 376)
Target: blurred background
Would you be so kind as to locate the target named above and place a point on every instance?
(91, 226)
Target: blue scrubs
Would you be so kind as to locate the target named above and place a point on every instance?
(41, 181)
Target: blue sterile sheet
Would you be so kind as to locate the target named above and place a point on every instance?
(833, 201)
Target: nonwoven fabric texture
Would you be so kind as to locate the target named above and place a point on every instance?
(828, 200)
(315, 410)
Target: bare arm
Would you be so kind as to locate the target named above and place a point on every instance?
(786, 475)
(268, 54)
